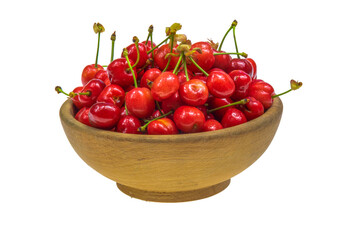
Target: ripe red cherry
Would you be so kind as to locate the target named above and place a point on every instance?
(149, 47)
(252, 109)
(220, 84)
(119, 73)
(240, 64)
(104, 115)
(94, 87)
(233, 117)
(205, 59)
(254, 67)
(112, 94)
(194, 92)
(219, 102)
(171, 103)
(128, 124)
(165, 85)
(189, 119)
(83, 116)
(182, 76)
(75, 99)
(162, 126)
(149, 75)
(160, 59)
(262, 92)
(89, 72)
(102, 75)
(242, 81)
(140, 102)
(222, 61)
(133, 54)
(211, 125)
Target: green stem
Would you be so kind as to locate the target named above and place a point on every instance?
(126, 110)
(178, 64)
(143, 128)
(158, 107)
(112, 50)
(171, 50)
(236, 47)
(185, 67)
(222, 41)
(202, 70)
(58, 89)
(131, 69)
(241, 102)
(97, 51)
(278, 95)
(237, 53)
(150, 51)
(138, 54)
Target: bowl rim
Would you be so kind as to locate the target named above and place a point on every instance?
(67, 117)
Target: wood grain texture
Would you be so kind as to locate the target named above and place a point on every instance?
(172, 163)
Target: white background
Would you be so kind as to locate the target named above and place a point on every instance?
(305, 186)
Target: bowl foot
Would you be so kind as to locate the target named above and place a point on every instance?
(183, 196)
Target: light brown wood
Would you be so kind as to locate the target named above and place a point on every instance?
(172, 163)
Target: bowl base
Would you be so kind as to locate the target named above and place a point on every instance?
(183, 196)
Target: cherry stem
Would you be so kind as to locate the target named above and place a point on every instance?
(222, 41)
(113, 38)
(202, 70)
(136, 41)
(150, 30)
(178, 64)
(241, 102)
(171, 50)
(150, 51)
(97, 51)
(131, 69)
(278, 95)
(185, 67)
(143, 128)
(245, 55)
(294, 85)
(126, 110)
(236, 47)
(58, 89)
(158, 107)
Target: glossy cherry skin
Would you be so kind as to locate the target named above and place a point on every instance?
(222, 61)
(165, 85)
(194, 92)
(240, 64)
(219, 102)
(162, 126)
(242, 82)
(132, 53)
(182, 76)
(254, 67)
(76, 99)
(171, 103)
(211, 125)
(94, 87)
(189, 119)
(149, 76)
(112, 94)
(262, 92)
(252, 109)
(205, 59)
(102, 75)
(140, 102)
(104, 115)
(160, 59)
(128, 124)
(233, 117)
(220, 84)
(83, 116)
(89, 72)
(119, 73)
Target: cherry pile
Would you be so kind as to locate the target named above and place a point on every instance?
(170, 88)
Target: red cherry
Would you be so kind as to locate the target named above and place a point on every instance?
(83, 116)
(252, 109)
(253, 64)
(162, 126)
(262, 92)
(133, 54)
(149, 47)
(165, 85)
(119, 73)
(112, 94)
(205, 59)
(102, 75)
(219, 102)
(128, 124)
(182, 76)
(222, 61)
(242, 81)
(94, 87)
(89, 72)
(220, 84)
(240, 64)
(75, 99)
(211, 125)
(161, 60)
(140, 102)
(216, 70)
(189, 119)
(194, 92)
(149, 75)
(171, 103)
(233, 117)
(104, 115)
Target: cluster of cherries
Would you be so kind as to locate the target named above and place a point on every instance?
(170, 88)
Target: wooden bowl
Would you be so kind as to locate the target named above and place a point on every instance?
(172, 168)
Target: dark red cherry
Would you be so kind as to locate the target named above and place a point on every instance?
(93, 88)
(133, 54)
(83, 116)
(140, 102)
(104, 115)
(162, 126)
(119, 72)
(205, 59)
(128, 124)
(219, 102)
(189, 119)
(252, 109)
(211, 125)
(112, 94)
(240, 64)
(242, 82)
(194, 92)
(89, 72)
(220, 84)
(171, 103)
(102, 75)
(254, 67)
(75, 99)
(262, 92)
(222, 61)
(165, 85)
(233, 117)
